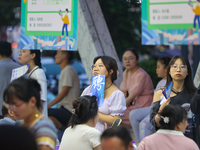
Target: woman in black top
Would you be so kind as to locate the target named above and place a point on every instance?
(179, 72)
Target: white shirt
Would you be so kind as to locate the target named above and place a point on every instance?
(161, 84)
(80, 137)
(39, 75)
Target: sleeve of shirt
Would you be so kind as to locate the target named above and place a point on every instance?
(117, 104)
(86, 91)
(46, 135)
(123, 84)
(154, 110)
(41, 78)
(94, 138)
(141, 146)
(68, 78)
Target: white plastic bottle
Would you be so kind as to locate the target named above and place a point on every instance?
(57, 144)
(134, 145)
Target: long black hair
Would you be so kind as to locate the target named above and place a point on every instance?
(188, 82)
(110, 64)
(175, 115)
(84, 108)
(37, 58)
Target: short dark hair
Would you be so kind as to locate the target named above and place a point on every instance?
(23, 89)
(5, 49)
(85, 108)
(110, 64)
(69, 54)
(37, 58)
(176, 114)
(66, 9)
(16, 137)
(134, 51)
(188, 82)
(121, 132)
(164, 60)
(4, 111)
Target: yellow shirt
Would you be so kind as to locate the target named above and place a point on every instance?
(65, 19)
(197, 10)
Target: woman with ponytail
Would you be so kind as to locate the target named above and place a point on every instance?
(81, 133)
(173, 122)
(35, 71)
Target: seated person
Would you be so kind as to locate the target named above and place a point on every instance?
(173, 122)
(82, 134)
(8, 114)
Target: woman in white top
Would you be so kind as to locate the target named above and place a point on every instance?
(82, 134)
(114, 103)
(35, 71)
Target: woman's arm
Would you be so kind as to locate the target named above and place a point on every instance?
(44, 147)
(107, 118)
(154, 117)
(98, 147)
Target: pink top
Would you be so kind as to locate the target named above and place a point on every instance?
(167, 140)
(138, 85)
(113, 105)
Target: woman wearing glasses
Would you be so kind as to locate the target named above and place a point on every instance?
(23, 97)
(114, 103)
(136, 85)
(179, 72)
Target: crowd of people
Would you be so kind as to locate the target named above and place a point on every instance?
(156, 122)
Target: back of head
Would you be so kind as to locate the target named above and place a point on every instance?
(84, 109)
(171, 116)
(121, 132)
(164, 60)
(23, 89)
(37, 58)
(69, 54)
(5, 49)
(110, 64)
(16, 138)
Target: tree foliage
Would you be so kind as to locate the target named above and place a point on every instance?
(123, 18)
(7, 12)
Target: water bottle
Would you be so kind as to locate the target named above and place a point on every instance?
(57, 144)
(134, 145)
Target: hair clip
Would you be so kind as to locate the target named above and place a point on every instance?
(73, 111)
(165, 119)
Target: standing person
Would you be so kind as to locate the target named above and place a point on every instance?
(173, 121)
(179, 72)
(114, 101)
(6, 65)
(139, 118)
(23, 97)
(116, 138)
(82, 134)
(65, 20)
(69, 89)
(136, 85)
(35, 71)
